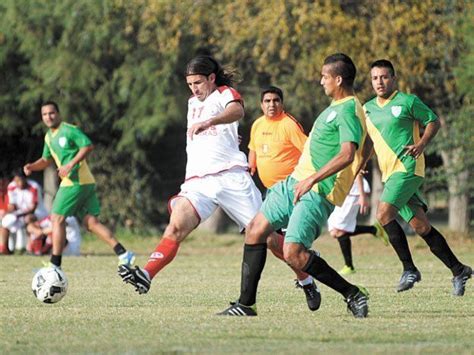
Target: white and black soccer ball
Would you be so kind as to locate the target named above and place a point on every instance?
(49, 285)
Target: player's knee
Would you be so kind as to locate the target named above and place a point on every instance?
(422, 229)
(174, 232)
(254, 233)
(293, 257)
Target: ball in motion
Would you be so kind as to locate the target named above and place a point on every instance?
(49, 285)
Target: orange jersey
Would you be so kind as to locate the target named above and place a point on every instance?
(277, 143)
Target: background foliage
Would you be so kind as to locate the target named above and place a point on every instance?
(116, 68)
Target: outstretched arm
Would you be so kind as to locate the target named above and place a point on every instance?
(234, 111)
(38, 165)
(252, 162)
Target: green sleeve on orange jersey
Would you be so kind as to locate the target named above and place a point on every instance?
(421, 112)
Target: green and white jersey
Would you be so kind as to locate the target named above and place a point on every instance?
(394, 125)
(62, 145)
(343, 121)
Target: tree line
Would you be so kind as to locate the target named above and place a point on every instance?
(116, 69)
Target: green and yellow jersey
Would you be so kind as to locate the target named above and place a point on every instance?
(394, 125)
(62, 145)
(342, 121)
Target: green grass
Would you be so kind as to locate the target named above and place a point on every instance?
(101, 315)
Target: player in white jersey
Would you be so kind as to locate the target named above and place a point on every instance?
(216, 171)
(24, 198)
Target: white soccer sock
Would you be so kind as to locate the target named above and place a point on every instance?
(306, 281)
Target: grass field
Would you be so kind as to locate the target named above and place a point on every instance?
(101, 315)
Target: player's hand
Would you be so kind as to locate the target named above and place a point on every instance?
(415, 150)
(363, 204)
(253, 169)
(301, 188)
(27, 170)
(65, 170)
(198, 128)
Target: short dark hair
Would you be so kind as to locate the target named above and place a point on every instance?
(383, 63)
(343, 66)
(19, 172)
(52, 103)
(273, 90)
(206, 65)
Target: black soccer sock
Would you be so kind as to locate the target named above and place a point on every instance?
(363, 230)
(441, 249)
(56, 260)
(321, 271)
(346, 249)
(119, 249)
(252, 267)
(399, 242)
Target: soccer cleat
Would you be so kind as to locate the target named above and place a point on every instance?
(239, 310)
(136, 277)
(459, 282)
(358, 304)
(347, 270)
(381, 233)
(313, 296)
(127, 258)
(408, 280)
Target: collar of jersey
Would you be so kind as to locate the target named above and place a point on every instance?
(340, 101)
(55, 132)
(386, 101)
(277, 118)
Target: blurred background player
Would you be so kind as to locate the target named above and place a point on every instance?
(393, 123)
(76, 196)
(276, 143)
(24, 199)
(40, 236)
(342, 223)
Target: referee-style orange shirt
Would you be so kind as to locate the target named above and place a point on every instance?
(277, 143)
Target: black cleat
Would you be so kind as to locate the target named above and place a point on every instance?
(459, 282)
(237, 309)
(136, 277)
(408, 280)
(358, 303)
(313, 296)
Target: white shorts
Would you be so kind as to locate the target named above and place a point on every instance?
(345, 217)
(233, 190)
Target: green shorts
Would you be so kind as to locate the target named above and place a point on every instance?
(403, 191)
(79, 200)
(304, 221)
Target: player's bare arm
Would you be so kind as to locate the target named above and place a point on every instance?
(367, 152)
(64, 170)
(38, 165)
(416, 150)
(363, 198)
(234, 111)
(336, 164)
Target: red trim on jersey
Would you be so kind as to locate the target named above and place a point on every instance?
(295, 120)
(246, 168)
(34, 191)
(170, 209)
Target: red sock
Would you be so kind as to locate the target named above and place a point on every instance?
(165, 252)
(277, 250)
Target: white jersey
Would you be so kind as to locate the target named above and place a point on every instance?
(217, 148)
(24, 199)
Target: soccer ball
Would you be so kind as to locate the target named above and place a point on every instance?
(49, 285)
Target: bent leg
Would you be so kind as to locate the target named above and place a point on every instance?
(93, 225)
(436, 242)
(183, 221)
(386, 214)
